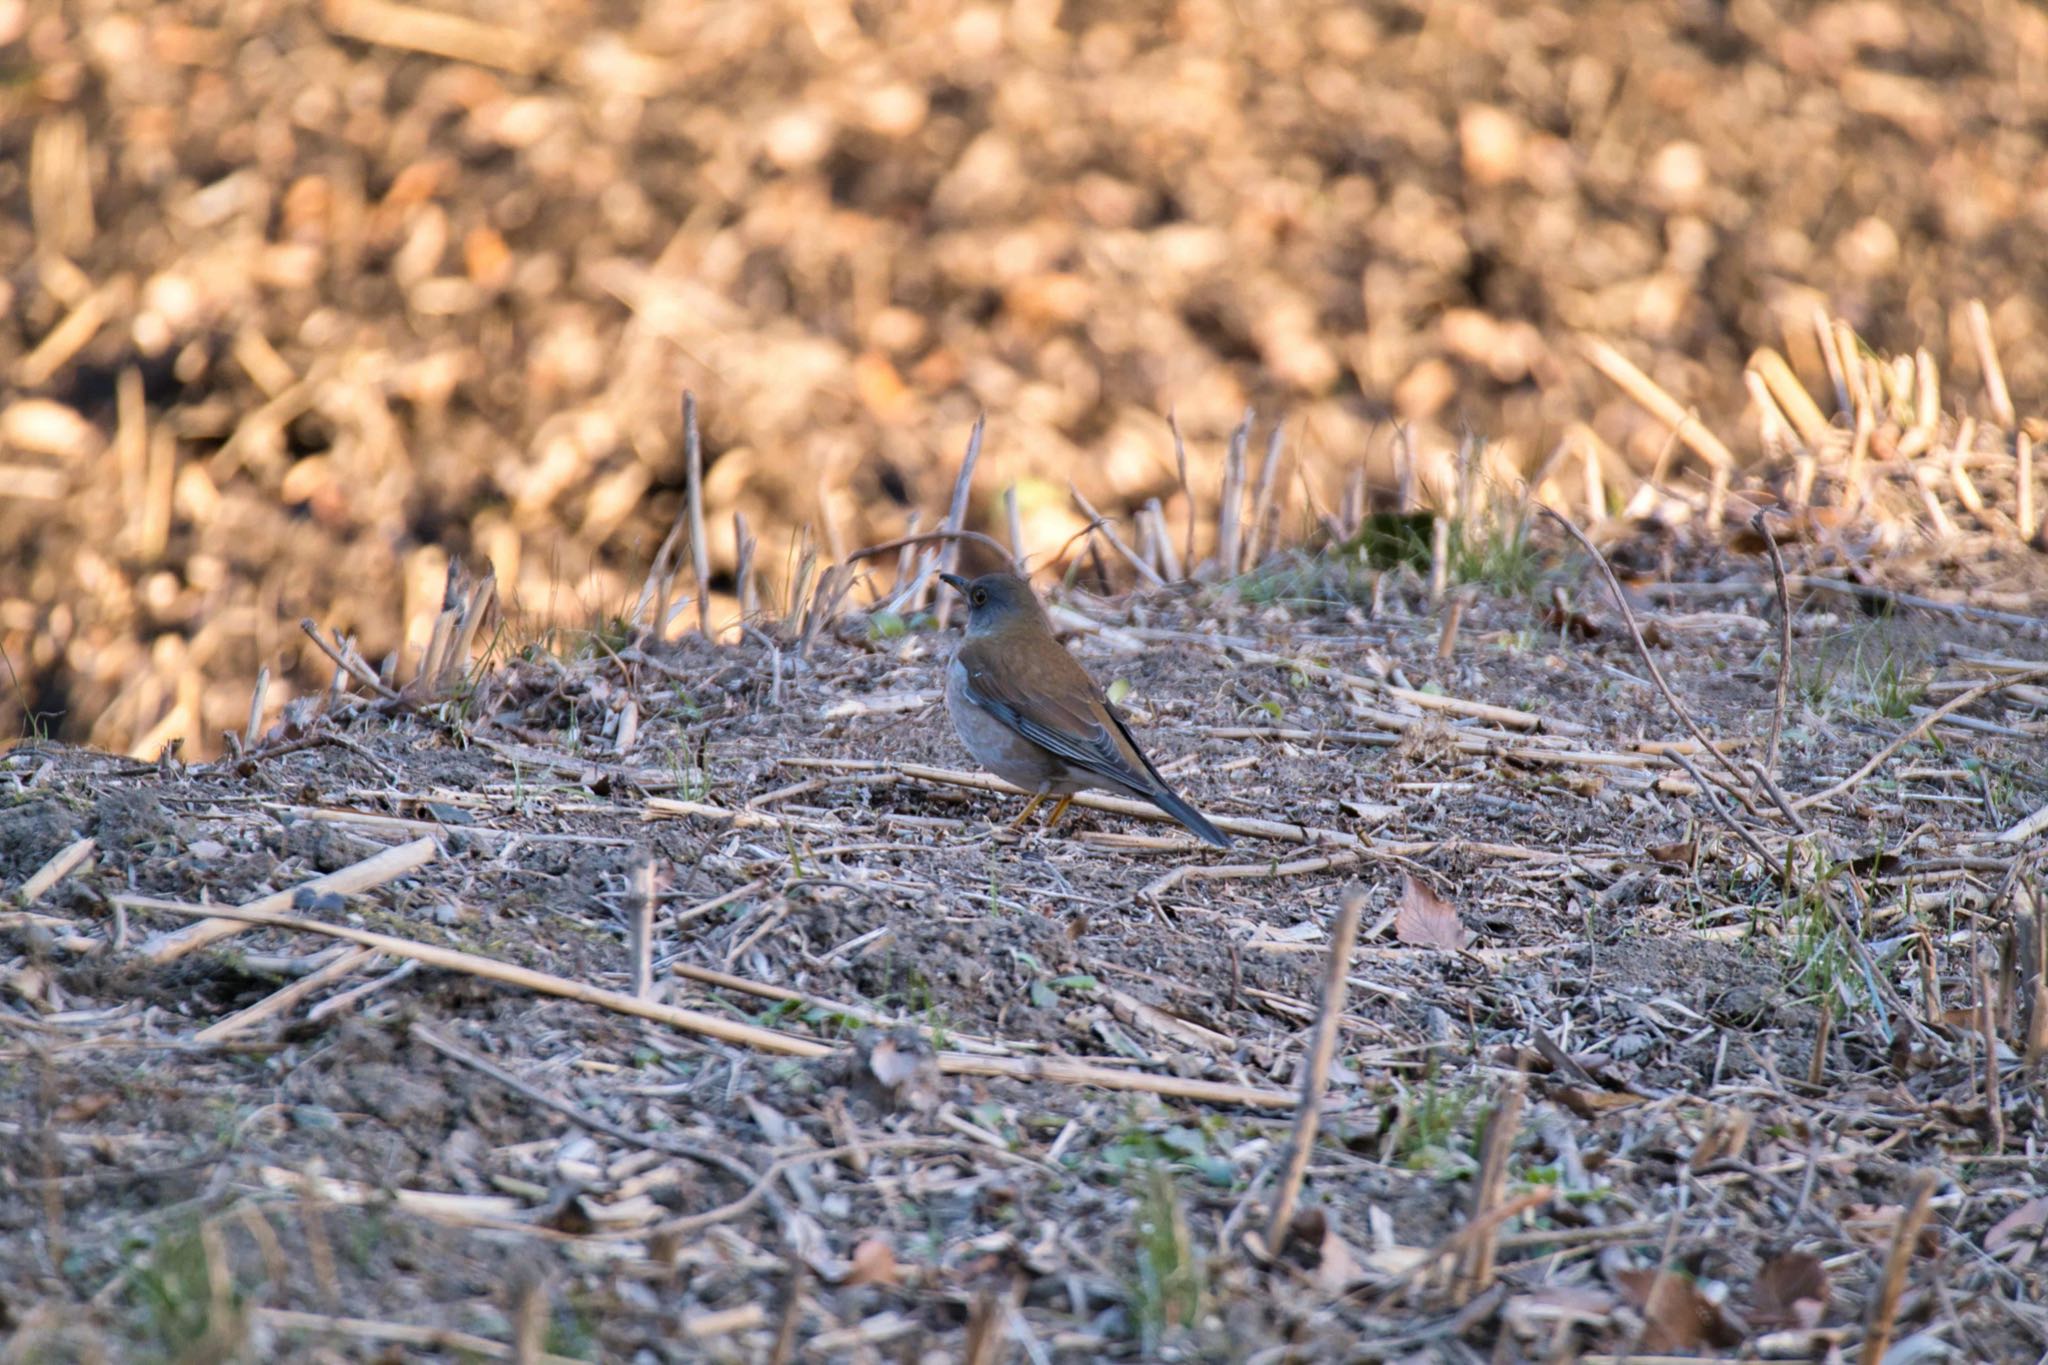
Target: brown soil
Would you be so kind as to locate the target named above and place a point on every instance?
(1646, 978)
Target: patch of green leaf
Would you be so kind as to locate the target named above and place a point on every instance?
(1166, 1287)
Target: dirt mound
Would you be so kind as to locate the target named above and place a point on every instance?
(301, 301)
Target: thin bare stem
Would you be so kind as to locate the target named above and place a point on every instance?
(1117, 543)
(1230, 504)
(700, 553)
(1315, 1077)
(1995, 391)
(1187, 494)
(1760, 524)
(1262, 500)
(1628, 616)
(956, 515)
(1884, 1313)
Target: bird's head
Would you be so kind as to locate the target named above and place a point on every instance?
(996, 601)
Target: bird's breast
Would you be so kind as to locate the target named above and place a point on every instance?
(994, 744)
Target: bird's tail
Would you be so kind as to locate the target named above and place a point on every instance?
(1180, 810)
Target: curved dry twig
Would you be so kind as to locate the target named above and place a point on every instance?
(1758, 524)
(987, 542)
(1926, 723)
(757, 1182)
(1628, 617)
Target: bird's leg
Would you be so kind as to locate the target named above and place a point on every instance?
(1029, 806)
(1059, 809)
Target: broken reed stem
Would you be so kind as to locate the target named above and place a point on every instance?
(61, 864)
(346, 961)
(989, 543)
(217, 923)
(1262, 500)
(475, 608)
(1454, 615)
(1727, 817)
(660, 580)
(1439, 557)
(257, 695)
(2023, 509)
(744, 546)
(1187, 495)
(1013, 522)
(1987, 1029)
(798, 1281)
(1230, 506)
(1430, 701)
(727, 981)
(956, 516)
(1065, 1071)
(1651, 397)
(470, 964)
(1885, 1311)
(1794, 403)
(348, 662)
(1056, 1070)
(1098, 522)
(643, 927)
(1495, 1146)
(1315, 1077)
(1169, 558)
(1760, 523)
(415, 29)
(434, 1339)
(1456, 1242)
(700, 553)
(1863, 404)
(1831, 356)
(1595, 480)
(1995, 391)
(1773, 431)
(1817, 1067)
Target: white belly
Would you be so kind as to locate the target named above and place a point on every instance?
(1000, 749)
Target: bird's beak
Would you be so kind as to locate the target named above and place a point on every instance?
(954, 581)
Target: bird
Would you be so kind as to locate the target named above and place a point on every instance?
(1030, 713)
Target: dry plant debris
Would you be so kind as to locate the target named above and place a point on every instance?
(676, 1000)
(299, 301)
(636, 991)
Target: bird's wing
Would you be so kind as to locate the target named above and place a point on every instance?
(1060, 711)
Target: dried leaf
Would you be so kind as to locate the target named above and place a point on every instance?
(30, 983)
(1790, 1291)
(904, 1070)
(1427, 920)
(1338, 1267)
(2023, 1230)
(1543, 1312)
(1676, 1316)
(1590, 1103)
(1680, 853)
(1577, 624)
(874, 1262)
(1314, 1241)
(1876, 1224)
(85, 1107)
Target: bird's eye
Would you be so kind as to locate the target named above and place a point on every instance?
(980, 598)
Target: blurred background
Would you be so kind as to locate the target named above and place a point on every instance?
(300, 300)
